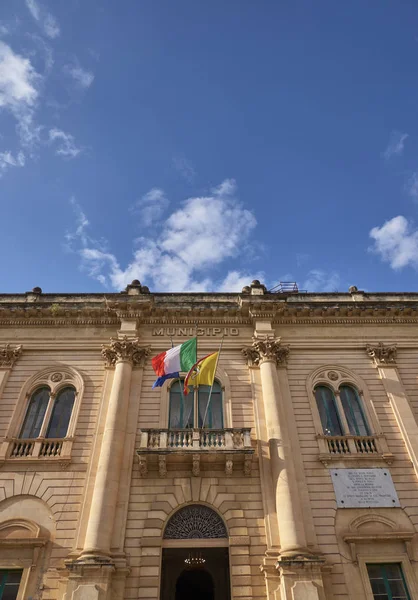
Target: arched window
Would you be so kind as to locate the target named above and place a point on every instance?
(181, 407)
(35, 413)
(212, 414)
(48, 415)
(61, 413)
(196, 410)
(327, 408)
(353, 411)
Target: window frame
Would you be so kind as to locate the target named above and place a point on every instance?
(361, 406)
(386, 579)
(53, 395)
(47, 418)
(337, 410)
(320, 377)
(56, 378)
(196, 404)
(400, 559)
(3, 584)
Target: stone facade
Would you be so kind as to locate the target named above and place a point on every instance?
(84, 516)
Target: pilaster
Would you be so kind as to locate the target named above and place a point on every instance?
(384, 359)
(8, 356)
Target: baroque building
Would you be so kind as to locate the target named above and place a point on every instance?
(298, 481)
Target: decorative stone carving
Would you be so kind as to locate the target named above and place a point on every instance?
(143, 467)
(8, 355)
(248, 464)
(229, 466)
(266, 349)
(162, 465)
(332, 375)
(381, 354)
(196, 465)
(195, 522)
(124, 350)
(55, 377)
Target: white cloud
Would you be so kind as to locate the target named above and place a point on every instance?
(18, 80)
(151, 206)
(396, 241)
(34, 9)
(80, 232)
(44, 18)
(19, 83)
(185, 168)
(412, 186)
(236, 280)
(4, 30)
(200, 235)
(320, 281)
(65, 143)
(51, 26)
(82, 77)
(7, 160)
(396, 144)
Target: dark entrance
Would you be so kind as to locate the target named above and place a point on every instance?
(208, 581)
(194, 583)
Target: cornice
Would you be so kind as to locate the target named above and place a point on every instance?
(209, 310)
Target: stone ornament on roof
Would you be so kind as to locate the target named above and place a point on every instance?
(266, 349)
(256, 288)
(381, 354)
(9, 355)
(124, 350)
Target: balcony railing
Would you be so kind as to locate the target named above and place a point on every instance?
(352, 447)
(36, 449)
(228, 445)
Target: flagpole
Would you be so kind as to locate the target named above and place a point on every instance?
(182, 395)
(211, 387)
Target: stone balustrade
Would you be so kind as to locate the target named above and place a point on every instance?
(222, 445)
(353, 447)
(29, 450)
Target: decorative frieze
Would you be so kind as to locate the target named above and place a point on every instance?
(266, 349)
(381, 354)
(9, 355)
(124, 350)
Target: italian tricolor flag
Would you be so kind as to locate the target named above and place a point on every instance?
(171, 363)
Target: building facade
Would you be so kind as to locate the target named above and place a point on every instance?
(299, 480)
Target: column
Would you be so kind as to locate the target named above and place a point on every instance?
(8, 357)
(384, 358)
(267, 352)
(122, 355)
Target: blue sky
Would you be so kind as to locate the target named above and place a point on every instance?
(198, 145)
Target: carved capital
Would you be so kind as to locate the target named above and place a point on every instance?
(381, 354)
(124, 350)
(266, 349)
(9, 355)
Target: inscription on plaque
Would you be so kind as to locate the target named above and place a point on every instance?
(364, 488)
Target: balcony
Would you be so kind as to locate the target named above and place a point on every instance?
(346, 448)
(36, 450)
(177, 449)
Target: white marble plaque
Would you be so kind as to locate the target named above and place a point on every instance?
(364, 488)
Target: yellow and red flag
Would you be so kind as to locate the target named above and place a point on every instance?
(202, 372)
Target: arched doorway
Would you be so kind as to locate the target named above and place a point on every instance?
(195, 562)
